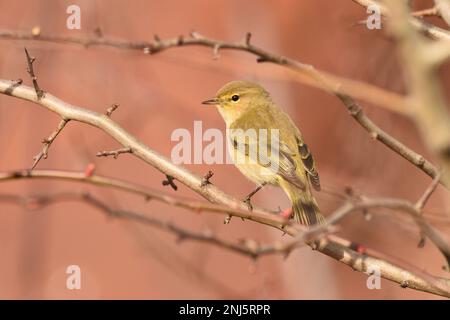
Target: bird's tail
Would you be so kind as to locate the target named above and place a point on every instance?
(306, 211)
(304, 207)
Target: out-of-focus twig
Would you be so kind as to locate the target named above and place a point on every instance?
(443, 8)
(420, 58)
(114, 153)
(247, 247)
(330, 244)
(419, 24)
(305, 73)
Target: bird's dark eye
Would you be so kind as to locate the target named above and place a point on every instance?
(235, 98)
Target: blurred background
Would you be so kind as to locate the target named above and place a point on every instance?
(160, 93)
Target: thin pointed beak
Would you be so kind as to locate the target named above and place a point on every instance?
(213, 101)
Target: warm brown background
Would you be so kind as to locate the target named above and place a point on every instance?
(160, 93)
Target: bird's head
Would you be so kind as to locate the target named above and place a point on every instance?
(234, 98)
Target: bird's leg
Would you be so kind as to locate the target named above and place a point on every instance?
(251, 194)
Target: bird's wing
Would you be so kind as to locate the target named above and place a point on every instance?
(308, 164)
(306, 157)
(277, 157)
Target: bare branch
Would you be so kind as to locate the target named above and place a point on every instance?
(427, 98)
(443, 7)
(47, 142)
(379, 134)
(114, 153)
(335, 247)
(364, 203)
(246, 247)
(30, 70)
(420, 204)
(433, 11)
(306, 73)
(305, 70)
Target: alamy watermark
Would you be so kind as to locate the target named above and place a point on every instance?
(374, 20)
(74, 19)
(374, 279)
(73, 281)
(240, 147)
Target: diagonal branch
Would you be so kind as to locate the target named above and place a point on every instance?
(47, 142)
(427, 98)
(379, 134)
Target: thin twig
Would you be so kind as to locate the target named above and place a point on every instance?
(420, 204)
(433, 11)
(170, 181)
(428, 100)
(246, 247)
(30, 70)
(396, 204)
(114, 153)
(357, 112)
(47, 142)
(111, 109)
(206, 178)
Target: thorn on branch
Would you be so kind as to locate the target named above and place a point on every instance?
(216, 54)
(205, 180)
(422, 242)
(170, 182)
(247, 38)
(47, 143)
(98, 32)
(30, 61)
(114, 153)
(374, 135)
(14, 85)
(261, 59)
(227, 219)
(195, 35)
(111, 109)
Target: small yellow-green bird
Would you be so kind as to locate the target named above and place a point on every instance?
(245, 105)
